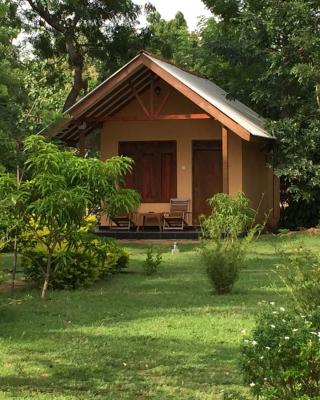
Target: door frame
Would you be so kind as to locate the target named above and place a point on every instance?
(214, 144)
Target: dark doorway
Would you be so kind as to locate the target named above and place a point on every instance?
(207, 174)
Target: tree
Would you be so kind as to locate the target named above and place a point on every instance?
(12, 94)
(269, 53)
(80, 29)
(59, 190)
(170, 39)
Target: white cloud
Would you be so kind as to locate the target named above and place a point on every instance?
(191, 9)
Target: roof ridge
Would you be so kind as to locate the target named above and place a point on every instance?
(198, 74)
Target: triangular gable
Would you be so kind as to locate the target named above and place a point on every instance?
(135, 77)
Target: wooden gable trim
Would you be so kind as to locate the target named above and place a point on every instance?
(197, 99)
(155, 117)
(139, 99)
(105, 87)
(108, 86)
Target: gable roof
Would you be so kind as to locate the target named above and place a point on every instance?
(112, 94)
(216, 96)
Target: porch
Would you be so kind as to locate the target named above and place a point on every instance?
(149, 233)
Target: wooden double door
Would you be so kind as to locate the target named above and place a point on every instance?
(207, 174)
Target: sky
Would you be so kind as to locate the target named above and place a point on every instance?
(192, 9)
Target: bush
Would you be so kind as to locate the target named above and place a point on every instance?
(107, 254)
(152, 261)
(281, 359)
(225, 253)
(70, 269)
(300, 271)
(223, 261)
(230, 217)
(77, 266)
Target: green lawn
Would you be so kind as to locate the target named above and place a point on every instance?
(137, 337)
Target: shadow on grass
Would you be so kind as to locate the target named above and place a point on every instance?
(106, 364)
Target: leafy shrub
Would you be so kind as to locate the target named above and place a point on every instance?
(300, 271)
(224, 253)
(223, 261)
(108, 254)
(70, 269)
(77, 266)
(152, 261)
(281, 359)
(230, 217)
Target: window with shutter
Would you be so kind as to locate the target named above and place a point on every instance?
(154, 174)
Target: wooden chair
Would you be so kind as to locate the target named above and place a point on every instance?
(177, 217)
(123, 222)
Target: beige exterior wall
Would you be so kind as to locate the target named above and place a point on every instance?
(259, 182)
(235, 172)
(183, 132)
(246, 163)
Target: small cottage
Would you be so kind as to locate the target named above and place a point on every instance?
(187, 138)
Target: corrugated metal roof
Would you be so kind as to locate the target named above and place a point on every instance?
(216, 96)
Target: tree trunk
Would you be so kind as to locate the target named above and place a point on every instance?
(77, 61)
(72, 47)
(14, 266)
(46, 277)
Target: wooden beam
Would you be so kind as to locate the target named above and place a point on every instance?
(139, 99)
(164, 102)
(121, 90)
(122, 100)
(196, 98)
(225, 160)
(149, 117)
(105, 88)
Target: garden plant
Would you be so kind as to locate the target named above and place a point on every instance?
(153, 260)
(227, 232)
(281, 357)
(59, 190)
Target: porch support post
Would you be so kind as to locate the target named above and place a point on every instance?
(82, 148)
(225, 160)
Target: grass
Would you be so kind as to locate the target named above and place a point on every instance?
(137, 337)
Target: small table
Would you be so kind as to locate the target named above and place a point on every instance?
(143, 217)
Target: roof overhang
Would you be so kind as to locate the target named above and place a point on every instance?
(134, 78)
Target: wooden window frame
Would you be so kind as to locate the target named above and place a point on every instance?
(159, 149)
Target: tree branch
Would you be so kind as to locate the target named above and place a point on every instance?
(45, 14)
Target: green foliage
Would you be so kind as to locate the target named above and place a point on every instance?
(153, 260)
(223, 260)
(83, 265)
(12, 94)
(265, 53)
(170, 39)
(60, 188)
(230, 217)
(225, 253)
(70, 269)
(47, 83)
(233, 395)
(281, 358)
(76, 34)
(300, 271)
(10, 84)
